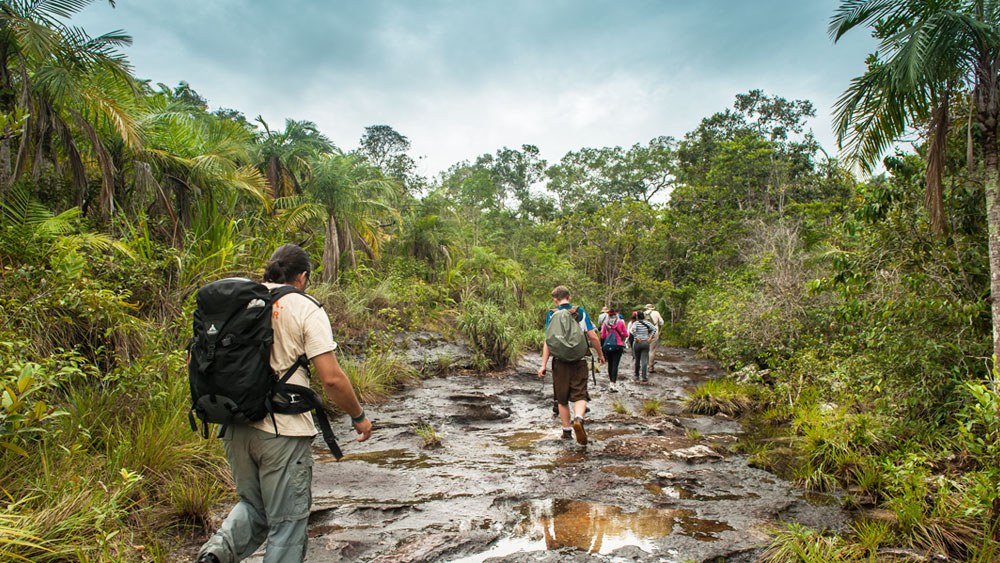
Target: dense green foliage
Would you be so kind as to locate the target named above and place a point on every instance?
(859, 330)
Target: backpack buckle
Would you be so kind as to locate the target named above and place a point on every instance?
(293, 398)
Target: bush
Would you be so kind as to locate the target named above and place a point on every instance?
(494, 331)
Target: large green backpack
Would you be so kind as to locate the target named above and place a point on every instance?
(565, 337)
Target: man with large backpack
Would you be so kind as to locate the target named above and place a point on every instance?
(569, 334)
(269, 450)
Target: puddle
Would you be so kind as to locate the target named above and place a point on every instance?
(627, 471)
(596, 528)
(392, 459)
(605, 433)
(523, 440)
(684, 493)
(570, 457)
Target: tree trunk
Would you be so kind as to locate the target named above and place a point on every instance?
(986, 110)
(5, 178)
(933, 198)
(183, 202)
(367, 248)
(348, 238)
(274, 175)
(331, 251)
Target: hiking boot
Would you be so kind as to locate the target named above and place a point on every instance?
(567, 434)
(581, 434)
(208, 558)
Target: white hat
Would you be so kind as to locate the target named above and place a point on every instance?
(649, 305)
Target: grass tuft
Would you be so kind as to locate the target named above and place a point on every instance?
(427, 434)
(651, 407)
(619, 407)
(377, 375)
(719, 396)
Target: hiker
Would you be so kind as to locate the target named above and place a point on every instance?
(271, 459)
(602, 318)
(568, 331)
(630, 344)
(656, 320)
(613, 336)
(642, 331)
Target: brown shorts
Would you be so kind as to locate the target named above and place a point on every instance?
(569, 381)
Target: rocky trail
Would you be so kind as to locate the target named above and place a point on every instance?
(503, 486)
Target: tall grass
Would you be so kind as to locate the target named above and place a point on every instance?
(117, 469)
(376, 375)
(719, 396)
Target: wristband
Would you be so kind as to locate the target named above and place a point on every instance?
(359, 418)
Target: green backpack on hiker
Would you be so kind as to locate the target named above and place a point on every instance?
(565, 337)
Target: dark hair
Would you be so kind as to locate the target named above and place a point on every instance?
(639, 316)
(287, 262)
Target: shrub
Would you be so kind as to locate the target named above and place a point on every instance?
(493, 330)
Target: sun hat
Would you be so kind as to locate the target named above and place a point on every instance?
(649, 305)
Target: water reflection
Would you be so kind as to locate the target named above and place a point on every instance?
(595, 528)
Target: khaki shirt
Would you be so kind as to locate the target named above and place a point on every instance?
(300, 327)
(655, 319)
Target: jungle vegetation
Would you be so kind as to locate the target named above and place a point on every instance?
(854, 310)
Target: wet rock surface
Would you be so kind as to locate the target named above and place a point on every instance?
(504, 486)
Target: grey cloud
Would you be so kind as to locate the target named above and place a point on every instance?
(460, 72)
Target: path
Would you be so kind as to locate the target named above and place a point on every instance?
(504, 485)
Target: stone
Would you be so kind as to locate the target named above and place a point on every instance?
(696, 454)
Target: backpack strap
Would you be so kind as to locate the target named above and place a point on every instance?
(301, 399)
(283, 290)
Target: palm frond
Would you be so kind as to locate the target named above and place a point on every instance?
(295, 216)
(853, 13)
(59, 8)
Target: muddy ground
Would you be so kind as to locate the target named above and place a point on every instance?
(504, 486)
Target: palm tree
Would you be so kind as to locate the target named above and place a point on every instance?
(192, 154)
(927, 45)
(285, 157)
(72, 86)
(430, 229)
(354, 200)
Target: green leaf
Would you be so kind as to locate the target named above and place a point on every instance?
(24, 383)
(16, 449)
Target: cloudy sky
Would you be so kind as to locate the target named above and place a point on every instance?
(463, 78)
